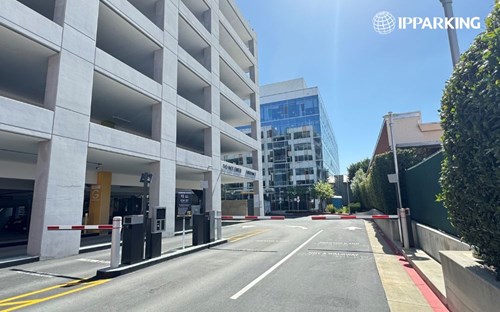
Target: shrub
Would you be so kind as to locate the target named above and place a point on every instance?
(330, 208)
(470, 115)
(355, 207)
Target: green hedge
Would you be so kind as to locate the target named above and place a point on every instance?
(374, 189)
(470, 114)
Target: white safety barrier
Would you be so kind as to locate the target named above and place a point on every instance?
(253, 218)
(115, 228)
(350, 217)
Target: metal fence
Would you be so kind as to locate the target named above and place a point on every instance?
(422, 187)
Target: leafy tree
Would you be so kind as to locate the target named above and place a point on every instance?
(356, 185)
(292, 191)
(353, 168)
(470, 116)
(323, 191)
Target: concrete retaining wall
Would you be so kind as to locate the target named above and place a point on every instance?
(234, 208)
(389, 227)
(432, 241)
(469, 286)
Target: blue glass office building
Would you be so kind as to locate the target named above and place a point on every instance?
(298, 143)
(298, 146)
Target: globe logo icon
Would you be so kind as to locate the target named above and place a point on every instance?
(384, 23)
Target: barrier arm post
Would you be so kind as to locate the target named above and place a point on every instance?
(404, 225)
(115, 242)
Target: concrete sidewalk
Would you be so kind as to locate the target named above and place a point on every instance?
(401, 291)
(429, 270)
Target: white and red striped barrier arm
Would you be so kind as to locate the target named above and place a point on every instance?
(253, 217)
(79, 227)
(342, 217)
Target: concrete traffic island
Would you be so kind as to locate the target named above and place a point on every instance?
(469, 285)
(124, 269)
(18, 261)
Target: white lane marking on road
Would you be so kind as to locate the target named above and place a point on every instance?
(337, 243)
(271, 241)
(353, 228)
(94, 261)
(41, 274)
(274, 267)
(298, 226)
(247, 226)
(328, 253)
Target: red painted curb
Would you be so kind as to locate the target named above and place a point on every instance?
(426, 291)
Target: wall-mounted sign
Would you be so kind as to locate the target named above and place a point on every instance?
(231, 170)
(238, 171)
(249, 174)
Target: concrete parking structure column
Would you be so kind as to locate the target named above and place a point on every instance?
(100, 197)
(258, 192)
(212, 196)
(162, 191)
(61, 164)
(163, 184)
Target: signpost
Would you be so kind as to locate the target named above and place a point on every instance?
(184, 210)
(146, 178)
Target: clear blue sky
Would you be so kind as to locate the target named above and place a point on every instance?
(361, 75)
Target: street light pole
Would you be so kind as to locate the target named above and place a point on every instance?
(346, 181)
(394, 152)
(402, 213)
(452, 33)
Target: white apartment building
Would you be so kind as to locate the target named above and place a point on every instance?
(95, 92)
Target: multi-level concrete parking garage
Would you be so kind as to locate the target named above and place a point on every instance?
(93, 93)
